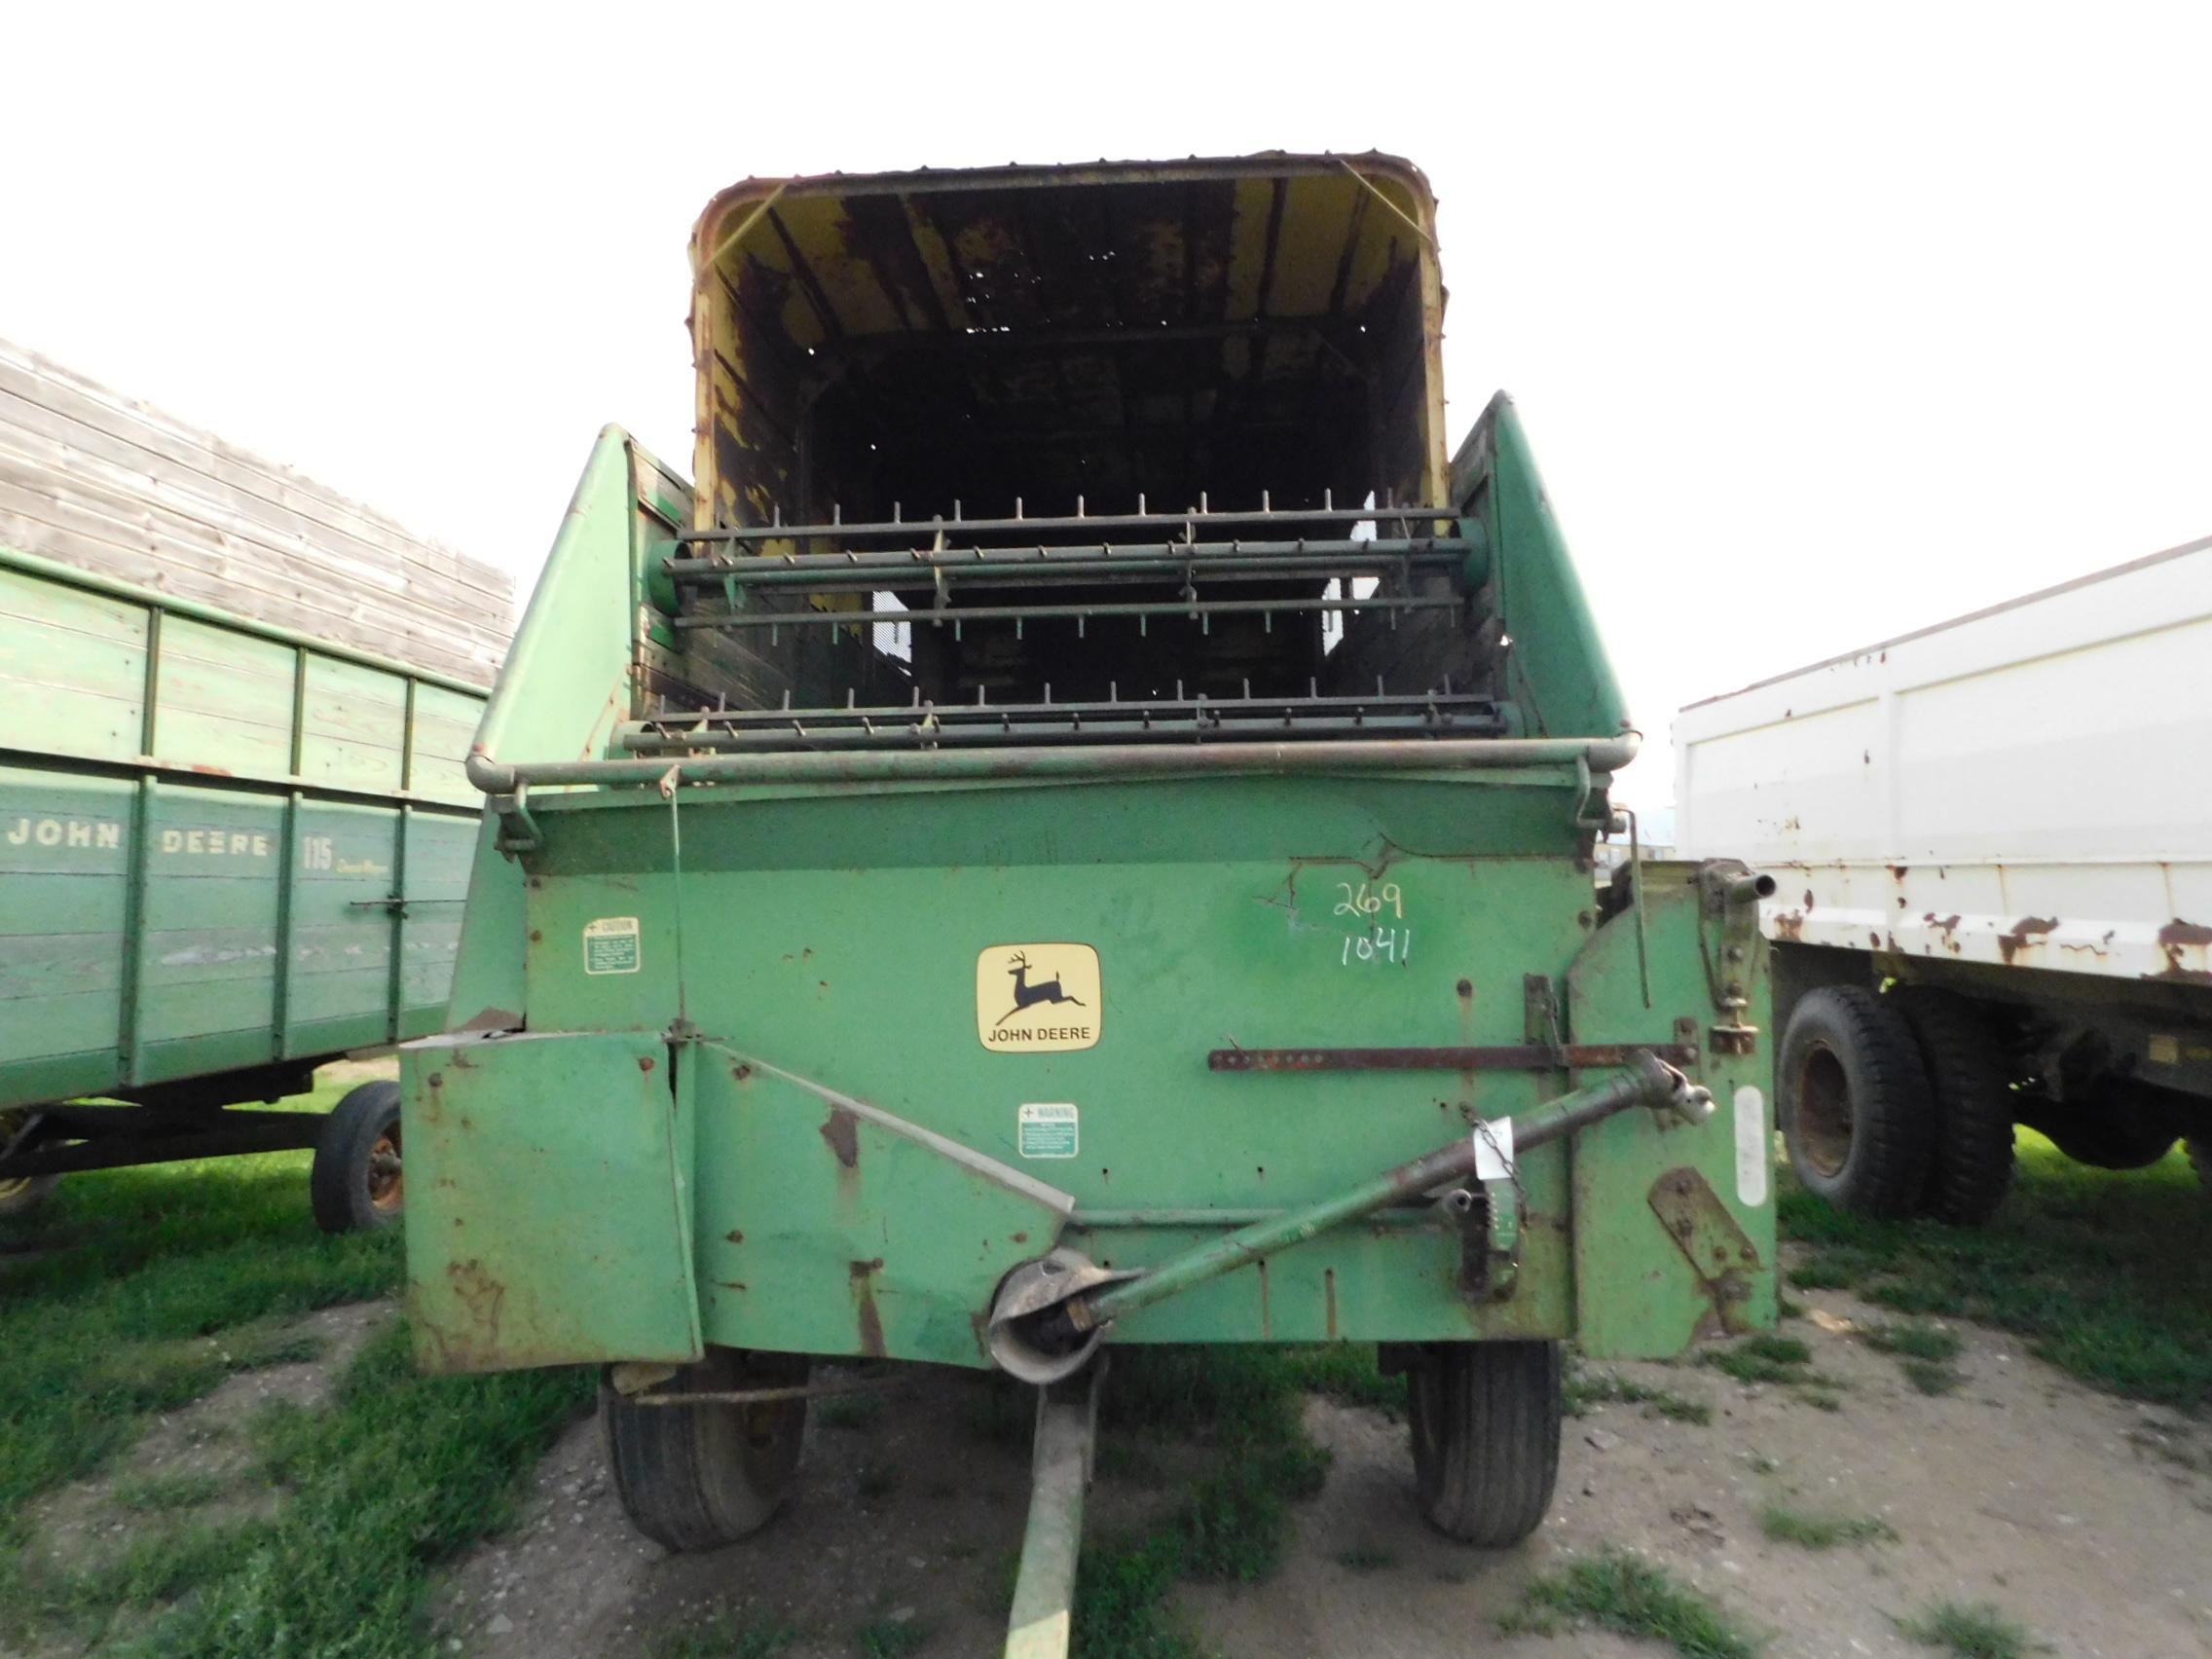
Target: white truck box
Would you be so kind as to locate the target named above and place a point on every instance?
(2029, 785)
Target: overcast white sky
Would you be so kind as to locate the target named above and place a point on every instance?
(1825, 322)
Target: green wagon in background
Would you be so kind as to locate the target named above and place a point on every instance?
(228, 853)
(1077, 830)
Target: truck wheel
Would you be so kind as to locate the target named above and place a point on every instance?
(19, 1198)
(1484, 1420)
(1856, 1112)
(1970, 1161)
(2117, 1123)
(356, 1183)
(699, 1477)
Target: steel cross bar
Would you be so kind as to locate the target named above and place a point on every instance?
(1647, 1081)
(1330, 514)
(1063, 612)
(1217, 559)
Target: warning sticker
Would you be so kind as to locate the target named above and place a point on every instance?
(1047, 1131)
(1038, 999)
(611, 945)
(1754, 1147)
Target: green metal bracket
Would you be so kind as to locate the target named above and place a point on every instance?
(1491, 1234)
(518, 829)
(1719, 1252)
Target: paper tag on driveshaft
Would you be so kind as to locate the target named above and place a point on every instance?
(1493, 1150)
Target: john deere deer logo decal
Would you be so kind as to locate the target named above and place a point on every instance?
(1026, 995)
(1044, 977)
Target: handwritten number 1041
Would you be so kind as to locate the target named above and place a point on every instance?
(1379, 944)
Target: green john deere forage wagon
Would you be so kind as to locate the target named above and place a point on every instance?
(1077, 829)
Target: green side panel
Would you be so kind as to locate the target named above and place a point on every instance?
(209, 944)
(72, 669)
(567, 677)
(1560, 673)
(1642, 1291)
(64, 864)
(341, 945)
(860, 1237)
(445, 724)
(440, 847)
(576, 1243)
(489, 991)
(567, 680)
(223, 700)
(353, 725)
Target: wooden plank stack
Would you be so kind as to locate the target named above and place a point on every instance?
(108, 484)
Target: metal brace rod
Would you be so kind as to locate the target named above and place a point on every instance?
(1218, 559)
(764, 1396)
(1327, 514)
(966, 613)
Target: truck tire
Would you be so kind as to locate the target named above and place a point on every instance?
(356, 1183)
(2117, 1122)
(702, 1476)
(1969, 1164)
(1857, 1112)
(1484, 1420)
(23, 1196)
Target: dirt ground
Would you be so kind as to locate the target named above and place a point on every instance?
(2084, 1518)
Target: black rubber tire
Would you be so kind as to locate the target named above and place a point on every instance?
(699, 1477)
(2115, 1124)
(22, 1199)
(352, 1186)
(1854, 1101)
(1969, 1165)
(1485, 1421)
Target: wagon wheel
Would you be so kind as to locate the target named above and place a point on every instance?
(1485, 1419)
(357, 1183)
(25, 1193)
(696, 1477)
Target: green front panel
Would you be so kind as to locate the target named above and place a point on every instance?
(578, 1235)
(836, 936)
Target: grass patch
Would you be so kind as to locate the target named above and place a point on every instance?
(1634, 1598)
(109, 1323)
(1346, 1372)
(171, 1490)
(1762, 1357)
(150, 1287)
(2107, 1275)
(1913, 1341)
(1813, 1532)
(1243, 1407)
(1977, 1632)
(1586, 1389)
